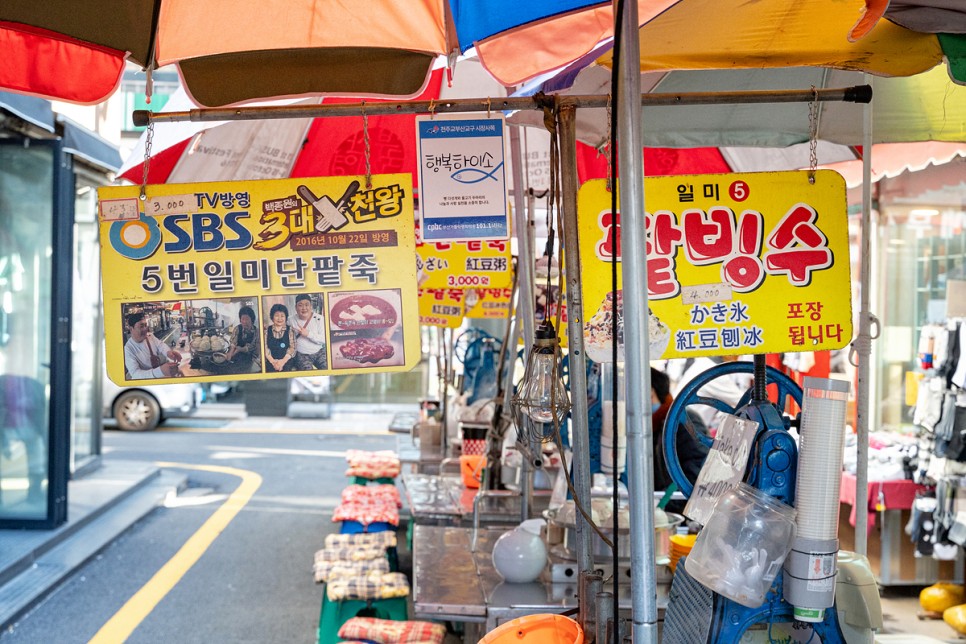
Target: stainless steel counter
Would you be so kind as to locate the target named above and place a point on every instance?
(442, 498)
(451, 583)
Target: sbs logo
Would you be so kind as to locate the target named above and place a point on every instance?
(136, 239)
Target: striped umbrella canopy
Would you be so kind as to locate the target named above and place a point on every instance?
(231, 51)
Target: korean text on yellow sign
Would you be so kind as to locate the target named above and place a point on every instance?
(259, 279)
(469, 264)
(442, 307)
(736, 264)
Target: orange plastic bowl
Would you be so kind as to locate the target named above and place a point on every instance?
(542, 628)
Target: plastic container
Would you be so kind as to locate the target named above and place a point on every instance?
(542, 628)
(471, 469)
(681, 545)
(740, 551)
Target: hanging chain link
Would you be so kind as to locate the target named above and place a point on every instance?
(606, 149)
(365, 140)
(813, 136)
(148, 140)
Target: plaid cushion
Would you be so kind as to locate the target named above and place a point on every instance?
(326, 570)
(385, 631)
(371, 585)
(384, 539)
(348, 553)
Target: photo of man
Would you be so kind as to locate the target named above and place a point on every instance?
(309, 327)
(145, 356)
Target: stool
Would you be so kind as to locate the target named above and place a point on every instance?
(334, 614)
(382, 480)
(355, 527)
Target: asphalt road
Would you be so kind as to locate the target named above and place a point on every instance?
(254, 583)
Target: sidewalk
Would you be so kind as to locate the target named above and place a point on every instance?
(100, 506)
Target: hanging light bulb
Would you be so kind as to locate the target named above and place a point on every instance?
(541, 402)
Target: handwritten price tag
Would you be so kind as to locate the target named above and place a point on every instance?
(118, 209)
(171, 205)
(705, 293)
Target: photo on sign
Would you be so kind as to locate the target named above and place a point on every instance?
(205, 337)
(295, 333)
(599, 331)
(366, 328)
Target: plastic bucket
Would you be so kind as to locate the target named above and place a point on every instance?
(542, 628)
(741, 548)
(471, 469)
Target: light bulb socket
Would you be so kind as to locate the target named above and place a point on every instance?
(545, 331)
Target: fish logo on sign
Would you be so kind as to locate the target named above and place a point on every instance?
(475, 175)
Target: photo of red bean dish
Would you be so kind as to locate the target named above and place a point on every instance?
(367, 350)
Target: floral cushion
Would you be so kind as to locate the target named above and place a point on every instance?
(385, 631)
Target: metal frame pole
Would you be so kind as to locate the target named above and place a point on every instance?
(856, 94)
(863, 343)
(525, 255)
(640, 446)
(579, 436)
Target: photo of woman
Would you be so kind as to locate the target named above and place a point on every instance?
(244, 347)
(279, 341)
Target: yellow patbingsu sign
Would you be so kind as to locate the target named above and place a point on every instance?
(736, 264)
(259, 279)
(442, 307)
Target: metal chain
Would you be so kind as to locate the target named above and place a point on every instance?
(813, 136)
(365, 139)
(148, 140)
(606, 148)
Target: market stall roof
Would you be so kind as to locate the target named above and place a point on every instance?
(230, 51)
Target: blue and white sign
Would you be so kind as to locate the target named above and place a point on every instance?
(462, 178)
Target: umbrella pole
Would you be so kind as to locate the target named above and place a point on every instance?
(863, 343)
(579, 435)
(640, 446)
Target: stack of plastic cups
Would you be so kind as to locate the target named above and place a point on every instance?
(810, 568)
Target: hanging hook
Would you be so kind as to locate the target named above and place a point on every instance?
(487, 107)
(432, 108)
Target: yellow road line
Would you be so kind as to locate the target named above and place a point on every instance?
(346, 381)
(140, 605)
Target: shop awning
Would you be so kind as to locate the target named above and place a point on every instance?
(78, 140)
(31, 109)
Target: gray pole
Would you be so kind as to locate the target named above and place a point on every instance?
(863, 343)
(640, 447)
(579, 438)
(525, 254)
